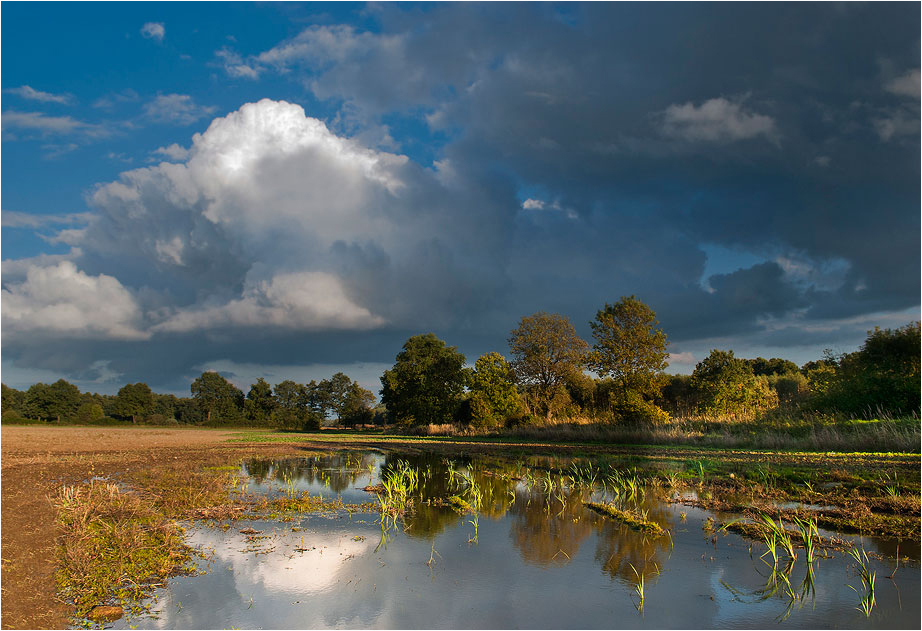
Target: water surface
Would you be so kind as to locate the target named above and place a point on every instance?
(537, 558)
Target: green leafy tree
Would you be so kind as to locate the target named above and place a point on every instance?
(294, 409)
(89, 413)
(134, 401)
(725, 384)
(59, 400)
(318, 397)
(188, 411)
(630, 348)
(880, 377)
(337, 390)
(426, 382)
(357, 406)
(493, 394)
(774, 366)
(217, 398)
(166, 405)
(260, 402)
(13, 399)
(546, 350)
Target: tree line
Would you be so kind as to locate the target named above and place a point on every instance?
(547, 378)
(214, 401)
(552, 374)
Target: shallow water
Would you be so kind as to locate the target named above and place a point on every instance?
(540, 559)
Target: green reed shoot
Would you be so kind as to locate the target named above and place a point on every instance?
(475, 522)
(775, 534)
(868, 578)
(809, 534)
(638, 588)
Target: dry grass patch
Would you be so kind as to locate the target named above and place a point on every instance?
(115, 547)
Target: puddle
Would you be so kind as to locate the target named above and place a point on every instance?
(534, 557)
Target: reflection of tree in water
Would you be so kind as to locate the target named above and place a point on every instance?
(619, 546)
(426, 521)
(544, 529)
(338, 471)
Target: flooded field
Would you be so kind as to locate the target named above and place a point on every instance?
(375, 540)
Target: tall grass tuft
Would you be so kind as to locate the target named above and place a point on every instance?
(809, 534)
(868, 578)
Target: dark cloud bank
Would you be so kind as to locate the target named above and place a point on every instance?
(582, 152)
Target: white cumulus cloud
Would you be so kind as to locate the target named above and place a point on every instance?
(302, 300)
(174, 152)
(270, 219)
(62, 300)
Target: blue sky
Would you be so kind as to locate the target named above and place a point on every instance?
(286, 190)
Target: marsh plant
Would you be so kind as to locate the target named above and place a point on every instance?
(868, 578)
(809, 534)
(775, 535)
(639, 587)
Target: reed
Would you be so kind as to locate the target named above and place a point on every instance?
(639, 589)
(809, 534)
(868, 579)
(776, 535)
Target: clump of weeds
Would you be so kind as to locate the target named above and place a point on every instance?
(115, 547)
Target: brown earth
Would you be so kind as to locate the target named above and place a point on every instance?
(36, 462)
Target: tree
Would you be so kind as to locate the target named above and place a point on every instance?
(357, 406)
(293, 406)
(493, 395)
(426, 382)
(630, 348)
(217, 398)
(56, 401)
(89, 413)
(773, 366)
(318, 397)
(260, 402)
(337, 390)
(13, 399)
(881, 376)
(725, 384)
(546, 350)
(134, 400)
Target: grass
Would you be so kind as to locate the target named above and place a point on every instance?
(808, 534)
(631, 518)
(639, 589)
(868, 579)
(115, 548)
(774, 534)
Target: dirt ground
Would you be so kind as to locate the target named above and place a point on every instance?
(38, 461)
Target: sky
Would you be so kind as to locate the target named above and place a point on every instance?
(288, 190)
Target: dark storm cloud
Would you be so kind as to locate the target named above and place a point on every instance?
(636, 135)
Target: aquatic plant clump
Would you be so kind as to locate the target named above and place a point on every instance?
(632, 519)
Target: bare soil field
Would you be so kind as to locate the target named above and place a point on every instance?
(38, 461)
